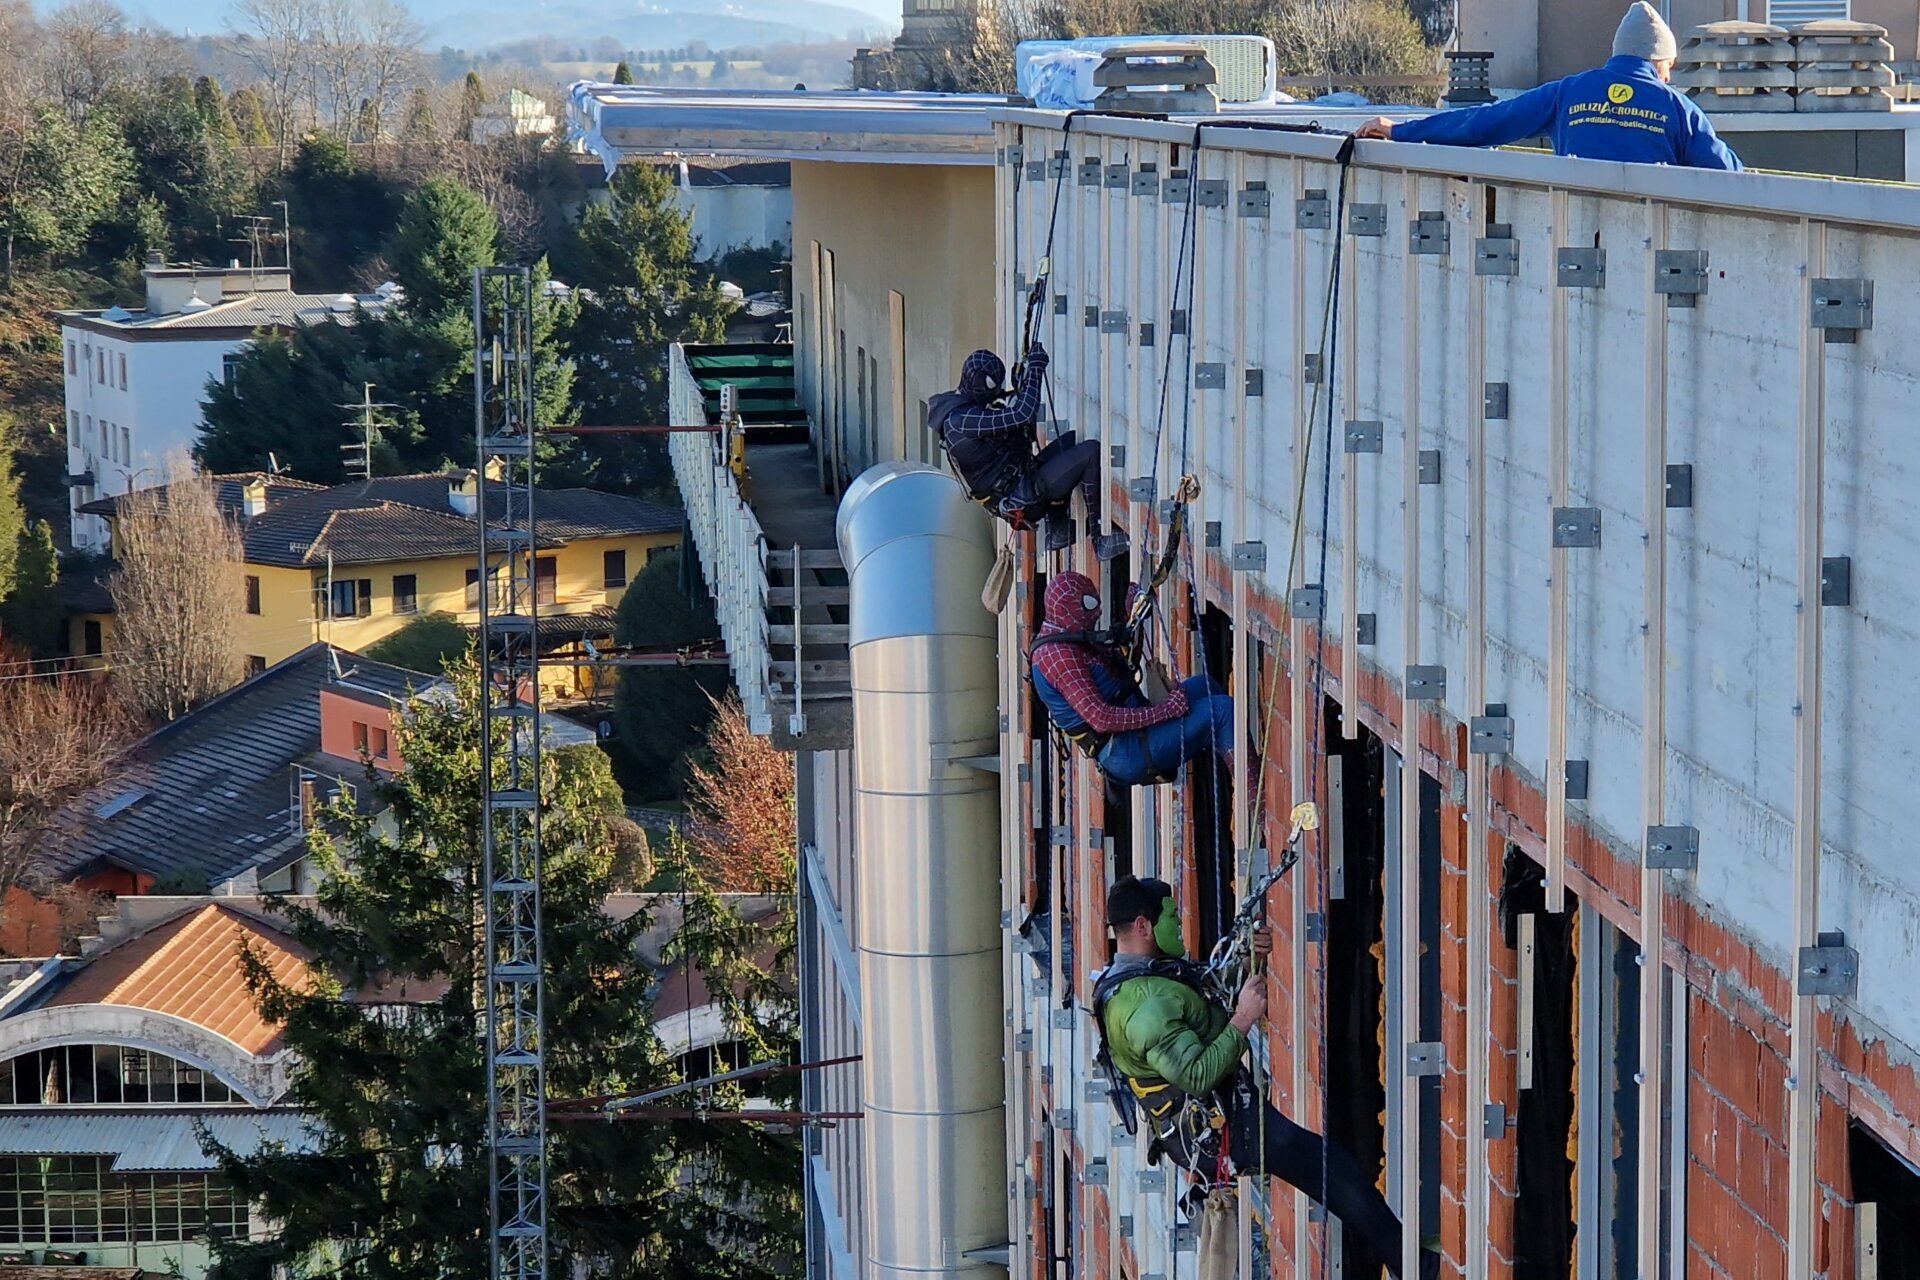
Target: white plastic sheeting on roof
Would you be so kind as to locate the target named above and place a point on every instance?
(156, 1143)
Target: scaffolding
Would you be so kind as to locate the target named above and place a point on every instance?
(504, 439)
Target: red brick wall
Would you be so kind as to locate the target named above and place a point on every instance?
(1738, 1005)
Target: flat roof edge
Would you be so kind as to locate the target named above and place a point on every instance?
(1833, 200)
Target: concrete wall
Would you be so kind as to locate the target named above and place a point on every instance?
(745, 217)
(1733, 393)
(924, 233)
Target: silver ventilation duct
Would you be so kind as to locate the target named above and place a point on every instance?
(923, 650)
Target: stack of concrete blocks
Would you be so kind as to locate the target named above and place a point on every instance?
(1738, 66)
(1842, 66)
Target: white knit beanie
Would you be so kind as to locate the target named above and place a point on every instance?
(1643, 35)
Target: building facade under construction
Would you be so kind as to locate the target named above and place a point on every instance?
(1548, 539)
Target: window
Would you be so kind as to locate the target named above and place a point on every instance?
(100, 363)
(546, 577)
(406, 593)
(73, 363)
(92, 633)
(73, 426)
(126, 445)
(654, 553)
(376, 742)
(106, 439)
(614, 569)
(87, 1074)
(360, 736)
(229, 366)
(255, 665)
(253, 594)
(351, 598)
(123, 372)
(473, 588)
(79, 1200)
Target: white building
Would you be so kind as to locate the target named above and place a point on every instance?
(136, 380)
(516, 114)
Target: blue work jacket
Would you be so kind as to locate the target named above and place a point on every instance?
(1621, 111)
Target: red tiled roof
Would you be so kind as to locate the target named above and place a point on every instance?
(190, 968)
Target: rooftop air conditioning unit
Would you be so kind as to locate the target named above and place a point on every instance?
(1246, 66)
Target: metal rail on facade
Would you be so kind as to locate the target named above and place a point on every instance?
(504, 438)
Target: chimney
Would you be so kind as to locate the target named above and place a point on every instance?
(463, 492)
(308, 802)
(254, 497)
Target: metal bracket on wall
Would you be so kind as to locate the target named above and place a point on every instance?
(1091, 172)
(1213, 533)
(1096, 1174)
(1313, 211)
(1210, 193)
(1255, 200)
(1146, 181)
(1830, 969)
(1249, 557)
(1126, 1226)
(1496, 253)
(1366, 629)
(1023, 1042)
(1836, 581)
(1096, 838)
(1364, 437)
(1116, 177)
(1429, 466)
(1013, 157)
(1426, 1058)
(1367, 220)
(1576, 779)
(1146, 333)
(1113, 322)
(1175, 188)
(1491, 734)
(1057, 167)
(1576, 526)
(1842, 308)
(1680, 274)
(1186, 1237)
(1064, 1119)
(1151, 1179)
(1177, 322)
(1117, 455)
(1310, 366)
(1256, 382)
(1494, 1121)
(1062, 1020)
(1140, 489)
(1426, 683)
(1308, 603)
(1091, 317)
(1059, 304)
(1036, 171)
(1580, 266)
(1429, 233)
(1672, 848)
(1210, 376)
(1060, 837)
(1316, 927)
(1679, 485)
(1495, 401)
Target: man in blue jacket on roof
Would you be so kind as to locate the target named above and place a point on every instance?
(1621, 111)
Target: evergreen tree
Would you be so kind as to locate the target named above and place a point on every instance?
(636, 256)
(398, 1185)
(249, 117)
(284, 396)
(57, 180)
(445, 232)
(661, 713)
(722, 69)
(183, 162)
(473, 96)
(31, 615)
(623, 74)
(420, 125)
(342, 210)
(214, 110)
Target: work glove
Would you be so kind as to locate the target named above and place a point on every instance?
(1037, 358)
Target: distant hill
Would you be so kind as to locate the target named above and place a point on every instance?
(639, 24)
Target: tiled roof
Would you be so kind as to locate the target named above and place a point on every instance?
(229, 490)
(408, 518)
(213, 792)
(189, 968)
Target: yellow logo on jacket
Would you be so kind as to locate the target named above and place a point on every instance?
(1619, 93)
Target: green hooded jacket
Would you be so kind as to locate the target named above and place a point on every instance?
(1160, 1027)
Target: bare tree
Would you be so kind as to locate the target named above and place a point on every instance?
(275, 38)
(59, 735)
(83, 52)
(392, 65)
(176, 597)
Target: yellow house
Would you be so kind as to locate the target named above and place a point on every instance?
(352, 564)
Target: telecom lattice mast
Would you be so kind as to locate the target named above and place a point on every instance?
(508, 595)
